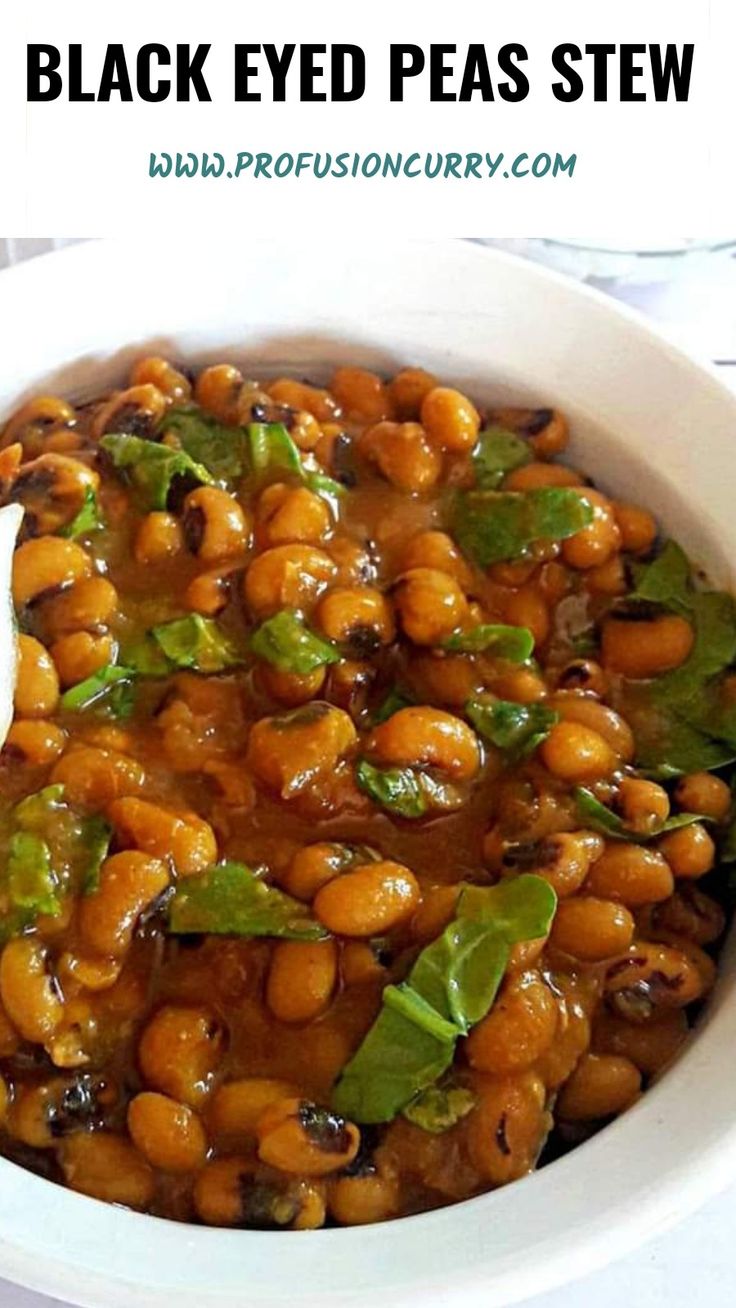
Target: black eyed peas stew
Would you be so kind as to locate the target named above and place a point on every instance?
(366, 808)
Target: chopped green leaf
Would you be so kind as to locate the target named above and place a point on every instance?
(520, 908)
(87, 520)
(666, 580)
(146, 658)
(34, 810)
(31, 882)
(396, 789)
(713, 614)
(222, 450)
(491, 526)
(96, 835)
(229, 899)
(498, 452)
(99, 691)
(439, 1108)
(451, 987)
(150, 467)
(503, 642)
(517, 729)
(600, 818)
(672, 748)
(321, 484)
(287, 642)
(272, 448)
(196, 642)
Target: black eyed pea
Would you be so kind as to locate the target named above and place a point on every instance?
(403, 455)
(450, 419)
(370, 1196)
(289, 514)
(313, 866)
(107, 1167)
(87, 606)
(47, 564)
(564, 858)
(226, 1193)
(652, 978)
(168, 1134)
(602, 1085)
(688, 913)
(93, 777)
(32, 423)
(362, 395)
(369, 900)
(288, 752)
(597, 717)
(236, 1107)
(136, 410)
(437, 551)
(37, 683)
(690, 852)
(596, 543)
(506, 1129)
(650, 1045)
(81, 653)
(217, 389)
(290, 688)
(643, 805)
(51, 489)
(180, 1051)
(633, 875)
(158, 372)
(159, 537)
(215, 526)
(426, 737)
(184, 838)
(129, 883)
(519, 1028)
(576, 754)
(301, 979)
(29, 993)
(408, 389)
(297, 1136)
(35, 742)
(430, 605)
(701, 792)
(287, 576)
(357, 617)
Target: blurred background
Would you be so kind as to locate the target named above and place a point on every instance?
(687, 285)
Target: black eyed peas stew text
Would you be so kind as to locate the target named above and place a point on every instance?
(366, 805)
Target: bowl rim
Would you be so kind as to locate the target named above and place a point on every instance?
(683, 1183)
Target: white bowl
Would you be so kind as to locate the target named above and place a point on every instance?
(649, 424)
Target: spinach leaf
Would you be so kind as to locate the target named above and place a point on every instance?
(150, 468)
(461, 971)
(196, 642)
(517, 729)
(666, 580)
(272, 448)
(503, 642)
(87, 520)
(395, 1060)
(450, 987)
(32, 885)
(439, 1108)
(398, 790)
(222, 450)
(713, 614)
(109, 689)
(229, 899)
(673, 748)
(394, 700)
(285, 641)
(519, 908)
(498, 451)
(321, 484)
(96, 835)
(34, 811)
(600, 818)
(491, 526)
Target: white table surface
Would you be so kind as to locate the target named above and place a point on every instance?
(695, 1262)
